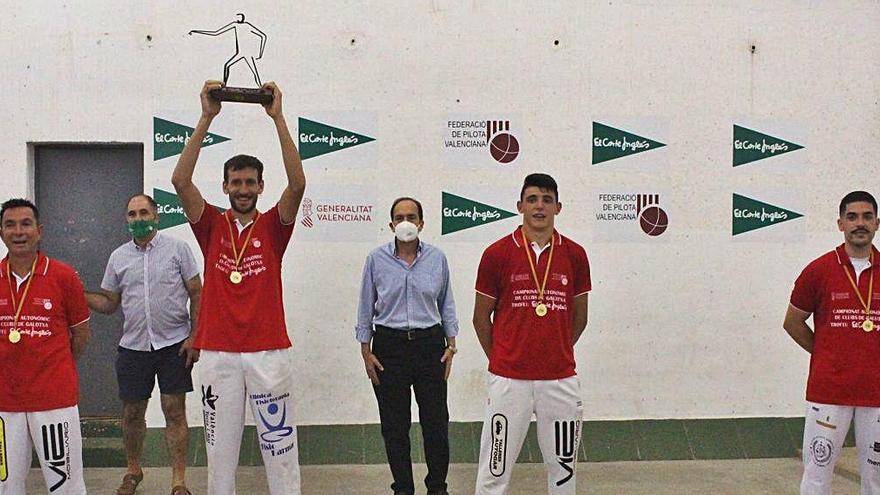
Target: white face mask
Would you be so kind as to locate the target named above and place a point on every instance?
(406, 231)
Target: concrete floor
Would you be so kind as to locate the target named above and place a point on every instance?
(730, 477)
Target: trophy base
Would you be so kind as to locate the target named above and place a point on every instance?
(242, 95)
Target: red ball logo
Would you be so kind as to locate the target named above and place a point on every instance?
(653, 220)
(504, 148)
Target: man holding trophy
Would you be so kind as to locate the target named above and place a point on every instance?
(245, 350)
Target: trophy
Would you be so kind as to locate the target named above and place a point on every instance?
(249, 45)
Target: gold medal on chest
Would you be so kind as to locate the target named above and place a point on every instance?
(541, 309)
(235, 276)
(867, 324)
(14, 336)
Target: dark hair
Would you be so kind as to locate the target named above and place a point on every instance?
(856, 197)
(241, 162)
(145, 196)
(19, 203)
(542, 181)
(406, 198)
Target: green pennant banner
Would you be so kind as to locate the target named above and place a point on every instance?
(316, 139)
(461, 213)
(170, 137)
(610, 143)
(170, 210)
(750, 214)
(750, 146)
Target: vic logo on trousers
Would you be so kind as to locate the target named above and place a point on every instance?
(55, 440)
(566, 447)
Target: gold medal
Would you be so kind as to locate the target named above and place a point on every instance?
(14, 333)
(867, 325)
(235, 276)
(541, 309)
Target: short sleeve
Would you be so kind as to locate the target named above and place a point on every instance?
(202, 228)
(76, 309)
(804, 295)
(281, 233)
(188, 266)
(488, 281)
(110, 282)
(581, 272)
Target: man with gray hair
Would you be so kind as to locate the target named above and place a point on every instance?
(152, 277)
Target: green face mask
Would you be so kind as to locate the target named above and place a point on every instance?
(142, 228)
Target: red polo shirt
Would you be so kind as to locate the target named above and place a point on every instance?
(38, 372)
(526, 346)
(845, 359)
(249, 316)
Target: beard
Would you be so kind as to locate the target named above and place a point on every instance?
(247, 209)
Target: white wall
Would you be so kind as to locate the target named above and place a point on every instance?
(684, 325)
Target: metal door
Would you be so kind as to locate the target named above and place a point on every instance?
(81, 192)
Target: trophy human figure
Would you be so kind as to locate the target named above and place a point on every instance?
(249, 45)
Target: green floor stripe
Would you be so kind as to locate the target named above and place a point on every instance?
(601, 441)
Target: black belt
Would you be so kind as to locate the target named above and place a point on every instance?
(409, 334)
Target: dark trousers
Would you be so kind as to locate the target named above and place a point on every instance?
(416, 364)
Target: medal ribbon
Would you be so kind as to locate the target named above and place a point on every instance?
(18, 305)
(852, 282)
(543, 284)
(235, 252)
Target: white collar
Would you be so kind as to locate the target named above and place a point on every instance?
(20, 280)
(860, 265)
(537, 249)
(241, 227)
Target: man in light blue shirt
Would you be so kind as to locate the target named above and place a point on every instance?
(407, 310)
(152, 277)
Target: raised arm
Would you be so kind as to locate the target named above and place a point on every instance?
(288, 205)
(190, 197)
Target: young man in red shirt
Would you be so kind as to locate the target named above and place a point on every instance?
(44, 327)
(837, 289)
(530, 310)
(241, 329)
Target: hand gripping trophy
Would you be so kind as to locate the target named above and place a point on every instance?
(249, 45)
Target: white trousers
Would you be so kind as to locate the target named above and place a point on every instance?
(56, 436)
(558, 408)
(264, 380)
(824, 432)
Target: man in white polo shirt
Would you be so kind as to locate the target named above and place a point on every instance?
(152, 277)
